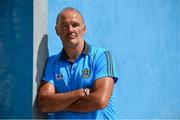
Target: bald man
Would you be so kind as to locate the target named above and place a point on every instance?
(78, 82)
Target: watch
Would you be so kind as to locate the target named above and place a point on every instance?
(85, 91)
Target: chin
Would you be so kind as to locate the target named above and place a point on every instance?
(73, 43)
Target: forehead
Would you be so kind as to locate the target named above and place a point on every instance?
(69, 15)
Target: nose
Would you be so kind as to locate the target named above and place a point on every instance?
(70, 29)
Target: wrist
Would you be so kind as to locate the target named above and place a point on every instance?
(86, 91)
(81, 92)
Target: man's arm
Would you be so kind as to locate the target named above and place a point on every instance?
(49, 101)
(98, 99)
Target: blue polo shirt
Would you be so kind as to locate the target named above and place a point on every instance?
(92, 64)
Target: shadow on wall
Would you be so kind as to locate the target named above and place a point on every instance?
(40, 64)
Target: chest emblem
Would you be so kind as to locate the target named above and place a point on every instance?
(85, 73)
(59, 76)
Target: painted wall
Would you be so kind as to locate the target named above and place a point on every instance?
(144, 38)
(40, 51)
(16, 52)
(142, 35)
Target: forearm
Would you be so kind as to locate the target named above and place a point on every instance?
(58, 101)
(89, 103)
(97, 99)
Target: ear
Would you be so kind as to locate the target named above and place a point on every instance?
(84, 28)
(57, 30)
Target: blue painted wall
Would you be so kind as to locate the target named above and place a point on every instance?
(144, 38)
(16, 58)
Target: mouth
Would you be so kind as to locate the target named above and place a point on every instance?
(71, 35)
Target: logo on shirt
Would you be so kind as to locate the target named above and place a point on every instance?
(85, 73)
(59, 76)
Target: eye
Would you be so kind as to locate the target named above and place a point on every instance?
(75, 25)
(64, 26)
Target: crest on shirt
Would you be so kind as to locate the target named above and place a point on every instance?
(85, 73)
(59, 76)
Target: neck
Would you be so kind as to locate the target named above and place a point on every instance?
(74, 52)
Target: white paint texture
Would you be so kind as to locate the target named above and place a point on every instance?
(40, 51)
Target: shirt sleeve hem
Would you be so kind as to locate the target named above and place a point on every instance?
(49, 81)
(115, 78)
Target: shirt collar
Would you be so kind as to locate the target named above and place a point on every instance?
(86, 50)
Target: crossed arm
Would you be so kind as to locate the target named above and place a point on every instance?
(76, 101)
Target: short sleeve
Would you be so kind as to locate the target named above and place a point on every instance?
(105, 67)
(48, 72)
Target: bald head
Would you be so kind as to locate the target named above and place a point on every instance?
(70, 27)
(60, 15)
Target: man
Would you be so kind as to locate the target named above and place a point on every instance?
(78, 82)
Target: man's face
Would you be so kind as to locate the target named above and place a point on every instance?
(70, 28)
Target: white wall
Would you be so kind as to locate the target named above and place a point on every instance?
(40, 52)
